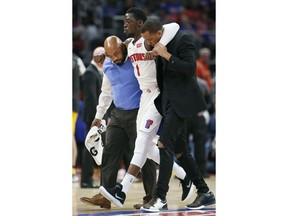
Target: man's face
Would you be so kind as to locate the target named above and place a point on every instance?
(130, 25)
(117, 55)
(152, 38)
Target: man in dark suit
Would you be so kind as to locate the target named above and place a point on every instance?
(92, 82)
(180, 99)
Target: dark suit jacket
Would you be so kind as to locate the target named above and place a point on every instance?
(178, 77)
(92, 82)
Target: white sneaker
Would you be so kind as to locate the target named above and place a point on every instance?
(155, 205)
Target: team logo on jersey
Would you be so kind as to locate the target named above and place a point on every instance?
(139, 45)
(149, 122)
(137, 57)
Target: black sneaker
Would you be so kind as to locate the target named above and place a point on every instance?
(202, 200)
(115, 195)
(187, 188)
(155, 205)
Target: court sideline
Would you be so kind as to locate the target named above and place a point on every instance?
(135, 194)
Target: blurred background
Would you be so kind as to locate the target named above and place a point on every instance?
(94, 20)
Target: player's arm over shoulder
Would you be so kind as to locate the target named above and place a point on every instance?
(127, 41)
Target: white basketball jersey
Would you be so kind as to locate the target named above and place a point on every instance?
(145, 71)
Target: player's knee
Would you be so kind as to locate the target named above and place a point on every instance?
(139, 159)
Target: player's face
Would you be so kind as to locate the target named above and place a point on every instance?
(117, 55)
(130, 25)
(152, 38)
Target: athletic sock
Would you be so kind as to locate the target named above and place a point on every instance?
(127, 182)
(179, 171)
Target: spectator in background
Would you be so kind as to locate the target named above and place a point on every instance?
(197, 126)
(202, 68)
(91, 36)
(75, 108)
(201, 16)
(171, 9)
(78, 38)
(92, 82)
(205, 91)
(80, 134)
(110, 8)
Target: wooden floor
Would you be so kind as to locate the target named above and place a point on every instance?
(135, 195)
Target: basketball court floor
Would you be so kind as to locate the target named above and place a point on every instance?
(175, 206)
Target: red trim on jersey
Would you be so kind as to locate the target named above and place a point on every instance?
(138, 71)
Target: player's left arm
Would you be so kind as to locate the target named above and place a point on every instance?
(169, 32)
(183, 60)
(127, 41)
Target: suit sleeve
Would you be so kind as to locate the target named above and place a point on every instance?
(105, 98)
(185, 61)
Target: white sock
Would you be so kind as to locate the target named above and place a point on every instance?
(179, 171)
(127, 182)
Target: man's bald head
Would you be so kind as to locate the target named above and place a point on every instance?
(112, 42)
(115, 49)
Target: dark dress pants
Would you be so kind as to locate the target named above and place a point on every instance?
(174, 139)
(120, 139)
(197, 127)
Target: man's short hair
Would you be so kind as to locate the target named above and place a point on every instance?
(151, 25)
(138, 14)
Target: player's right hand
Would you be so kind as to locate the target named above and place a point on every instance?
(150, 55)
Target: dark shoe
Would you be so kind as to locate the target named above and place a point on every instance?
(155, 205)
(88, 185)
(202, 200)
(115, 195)
(139, 205)
(97, 200)
(187, 188)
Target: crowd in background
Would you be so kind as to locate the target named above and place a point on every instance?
(94, 20)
